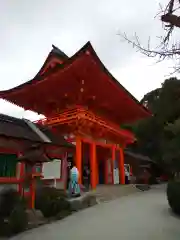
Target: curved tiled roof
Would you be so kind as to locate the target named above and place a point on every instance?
(14, 95)
(18, 128)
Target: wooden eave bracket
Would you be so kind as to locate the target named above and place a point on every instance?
(71, 116)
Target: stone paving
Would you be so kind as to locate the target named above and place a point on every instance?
(106, 193)
(142, 216)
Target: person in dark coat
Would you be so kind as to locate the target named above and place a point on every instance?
(69, 166)
(86, 177)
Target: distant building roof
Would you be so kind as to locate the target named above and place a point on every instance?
(20, 129)
(138, 156)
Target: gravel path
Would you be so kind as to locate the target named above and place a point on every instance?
(142, 216)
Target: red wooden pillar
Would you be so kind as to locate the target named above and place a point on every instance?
(79, 157)
(112, 163)
(21, 170)
(93, 165)
(121, 167)
(32, 192)
(20, 167)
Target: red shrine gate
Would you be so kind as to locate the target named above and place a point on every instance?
(82, 98)
(92, 132)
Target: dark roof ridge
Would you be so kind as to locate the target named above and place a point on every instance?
(58, 51)
(9, 118)
(38, 77)
(138, 155)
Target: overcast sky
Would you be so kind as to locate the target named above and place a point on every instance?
(29, 28)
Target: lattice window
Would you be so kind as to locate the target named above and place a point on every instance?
(8, 163)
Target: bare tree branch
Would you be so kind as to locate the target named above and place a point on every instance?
(166, 49)
(162, 53)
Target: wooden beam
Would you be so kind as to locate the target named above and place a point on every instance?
(90, 123)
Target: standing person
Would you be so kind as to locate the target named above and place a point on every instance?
(69, 166)
(74, 188)
(127, 176)
(86, 177)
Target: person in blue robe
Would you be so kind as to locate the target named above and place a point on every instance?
(74, 188)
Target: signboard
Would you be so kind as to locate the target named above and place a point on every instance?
(52, 170)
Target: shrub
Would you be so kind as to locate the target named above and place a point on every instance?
(13, 218)
(51, 201)
(153, 180)
(18, 220)
(8, 199)
(173, 195)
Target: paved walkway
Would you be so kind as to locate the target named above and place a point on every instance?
(143, 216)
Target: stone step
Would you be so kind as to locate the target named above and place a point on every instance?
(109, 192)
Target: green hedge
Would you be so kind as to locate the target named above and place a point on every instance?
(51, 201)
(173, 195)
(13, 217)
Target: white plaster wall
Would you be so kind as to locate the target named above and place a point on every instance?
(116, 172)
(116, 176)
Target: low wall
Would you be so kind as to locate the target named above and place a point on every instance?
(52, 183)
(8, 185)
